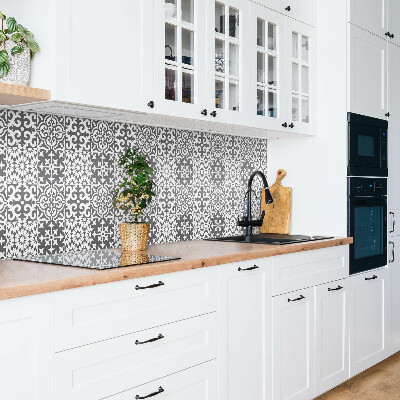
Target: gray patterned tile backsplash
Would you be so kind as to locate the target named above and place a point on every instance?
(57, 174)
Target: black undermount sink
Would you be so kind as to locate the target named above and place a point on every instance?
(270, 238)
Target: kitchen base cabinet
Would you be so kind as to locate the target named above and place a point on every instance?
(197, 383)
(368, 320)
(394, 294)
(293, 345)
(332, 339)
(27, 348)
(242, 333)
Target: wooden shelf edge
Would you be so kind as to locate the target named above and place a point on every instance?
(11, 95)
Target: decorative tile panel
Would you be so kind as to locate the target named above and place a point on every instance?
(57, 175)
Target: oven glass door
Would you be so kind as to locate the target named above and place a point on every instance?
(368, 228)
(365, 146)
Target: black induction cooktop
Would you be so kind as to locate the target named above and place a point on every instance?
(98, 259)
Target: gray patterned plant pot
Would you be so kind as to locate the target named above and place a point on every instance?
(20, 66)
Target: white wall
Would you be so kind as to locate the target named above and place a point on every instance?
(317, 166)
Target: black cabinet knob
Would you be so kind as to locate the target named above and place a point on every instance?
(150, 104)
(387, 34)
(387, 114)
(284, 124)
(288, 8)
(291, 125)
(204, 112)
(213, 114)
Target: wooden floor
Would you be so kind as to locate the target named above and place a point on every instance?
(381, 382)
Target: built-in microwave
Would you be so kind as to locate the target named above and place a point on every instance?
(367, 146)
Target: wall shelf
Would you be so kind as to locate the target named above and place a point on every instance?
(11, 95)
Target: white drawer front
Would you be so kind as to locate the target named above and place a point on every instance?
(90, 314)
(102, 369)
(301, 270)
(198, 383)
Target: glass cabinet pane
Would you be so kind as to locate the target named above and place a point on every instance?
(187, 87)
(304, 78)
(219, 56)
(219, 94)
(295, 108)
(305, 111)
(272, 104)
(187, 47)
(260, 67)
(272, 71)
(170, 9)
(260, 32)
(271, 36)
(188, 11)
(170, 84)
(304, 49)
(295, 77)
(233, 59)
(295, 45)
(233, 23)
(219, 18)
(234, 96)
(170, 42)
(260, 102)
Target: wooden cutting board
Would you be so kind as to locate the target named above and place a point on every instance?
(278, 214)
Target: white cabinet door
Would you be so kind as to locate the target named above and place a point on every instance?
(27, 348)
(367, 73)
(300, 76)
(393, 21)
(369, 15)
(104, 54)
(228, 67)
(268, 92)
(302, 10)
(332, 335)
(394, 138)
(198, 383)
(368, 320)
(180, 57)
(394, 294)
(242, 332)
(293, 345)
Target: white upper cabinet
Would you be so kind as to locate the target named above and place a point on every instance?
(104, 53)
(180, 57)
(394, 21)
(227, 61)
(394, 138)
(302, 10)
(369, 15)
(367, 73)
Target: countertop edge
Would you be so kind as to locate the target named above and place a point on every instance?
(126, 273)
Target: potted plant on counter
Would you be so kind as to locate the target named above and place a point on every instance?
(133, 195)
(17, 46)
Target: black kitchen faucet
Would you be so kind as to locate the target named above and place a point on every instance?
(247, 220)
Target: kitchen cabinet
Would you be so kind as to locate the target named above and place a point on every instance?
(368, 320)
(301, 10)
(331, 335)
(293, 345)
(393, 138)
(27, 348)
(198, 383)
(393, 8)
(394, 294)
(367, 89)
(283, 72)
(242, 330)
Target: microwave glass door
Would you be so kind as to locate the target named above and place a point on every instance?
(365, 146)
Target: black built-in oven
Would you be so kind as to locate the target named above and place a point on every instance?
(367, 146)
(367, 223)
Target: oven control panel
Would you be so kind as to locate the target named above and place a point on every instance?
(367, 187)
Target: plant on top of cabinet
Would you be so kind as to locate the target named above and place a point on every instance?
(133, 195)
(17, 46)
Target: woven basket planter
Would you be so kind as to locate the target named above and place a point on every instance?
(134, 236)
(133, 258)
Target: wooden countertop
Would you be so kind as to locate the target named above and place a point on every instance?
(19, 278)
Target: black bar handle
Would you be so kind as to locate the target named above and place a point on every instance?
(370, 279)
(299, 298)
(160, 390)
(150, 104)
(332, 290)
(392, 260)
(291, 125)
(150, 286)
(159, 337)
(248, 269)
(288, 8)
(284, 124)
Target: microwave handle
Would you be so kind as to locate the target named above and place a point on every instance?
(393, 222)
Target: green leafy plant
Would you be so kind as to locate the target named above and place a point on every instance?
(135, 192)
(17, 33)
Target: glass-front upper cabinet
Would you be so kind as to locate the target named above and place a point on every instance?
(228, 78)
(267, 60)
(180, 52)
(301, 62)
